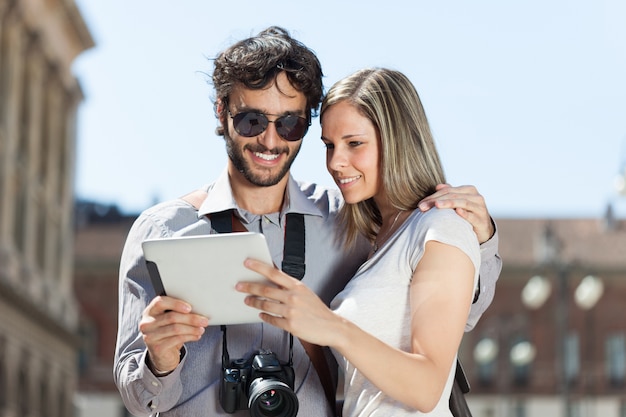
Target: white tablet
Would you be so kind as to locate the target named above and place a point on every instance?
(203, 271)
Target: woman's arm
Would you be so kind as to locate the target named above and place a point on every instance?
(470, 205)
(441, 294)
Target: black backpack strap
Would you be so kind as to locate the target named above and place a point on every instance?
(460, 387)
(293, 252)
(222, 221)
(294, 248)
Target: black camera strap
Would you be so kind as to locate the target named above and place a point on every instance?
(294, 246)
(293, 264)
(293, 254)
(225, 355)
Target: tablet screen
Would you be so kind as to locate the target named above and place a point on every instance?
(203, 271)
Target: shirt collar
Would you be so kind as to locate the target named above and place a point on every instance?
(220, 198)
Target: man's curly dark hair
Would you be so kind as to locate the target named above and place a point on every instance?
(255, 62)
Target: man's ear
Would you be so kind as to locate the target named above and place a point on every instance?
(219, 110)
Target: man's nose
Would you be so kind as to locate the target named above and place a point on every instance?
(270, 137)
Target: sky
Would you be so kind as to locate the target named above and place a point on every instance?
(526, 99)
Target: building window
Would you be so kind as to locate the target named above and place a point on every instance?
(42, 235)
(88, 333)
(616, 359)
(3, 375)
(486, 356)
(4, 67)
(63, 404)
(522, 355)
(23, 387)
(43, 396)
(572, 357)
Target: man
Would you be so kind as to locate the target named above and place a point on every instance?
(168, 359)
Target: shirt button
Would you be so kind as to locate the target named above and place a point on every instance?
(155, 384)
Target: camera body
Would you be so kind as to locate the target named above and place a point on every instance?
(260, 383)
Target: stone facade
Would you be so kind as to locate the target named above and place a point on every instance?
(39, 96)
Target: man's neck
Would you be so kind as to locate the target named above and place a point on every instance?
(256, 199)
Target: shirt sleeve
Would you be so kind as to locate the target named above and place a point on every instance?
(142, 392)
(445, 226)
(490, 268)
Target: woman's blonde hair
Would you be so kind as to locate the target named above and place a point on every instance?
(410, 163)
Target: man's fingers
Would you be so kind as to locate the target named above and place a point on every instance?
(169, 323)
(447, 196)
(166, 316)
(173, 332)
(462, 212)
(467, 202)
(162, 304)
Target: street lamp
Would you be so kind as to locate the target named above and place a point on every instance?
(588, 292)
(504, 355)
(536, 292)
(538, 289)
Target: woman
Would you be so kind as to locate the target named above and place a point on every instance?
(397, 326)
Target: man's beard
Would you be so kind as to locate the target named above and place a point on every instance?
(236, 156)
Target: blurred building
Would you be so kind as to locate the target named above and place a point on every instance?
(516, 357)
(39, 39)
(100, 234)
(542, 349)
(553, 342)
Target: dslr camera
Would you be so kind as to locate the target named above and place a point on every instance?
(260, 383)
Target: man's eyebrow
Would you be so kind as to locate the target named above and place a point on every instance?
(301, 113)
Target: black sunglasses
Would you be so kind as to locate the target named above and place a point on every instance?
(251, 123)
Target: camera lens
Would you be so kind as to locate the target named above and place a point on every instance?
(270, 401)
(272, 398)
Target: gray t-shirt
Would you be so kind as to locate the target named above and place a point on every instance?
(377, 300)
